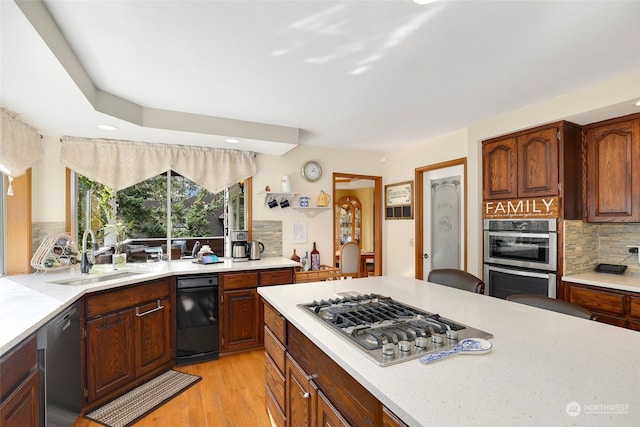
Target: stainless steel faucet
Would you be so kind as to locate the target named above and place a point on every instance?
(85, 264)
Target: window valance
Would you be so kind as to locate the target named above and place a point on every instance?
(121, 164)
(20, 145)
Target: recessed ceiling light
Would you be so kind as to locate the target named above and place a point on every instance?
(638, 103)
(107, 127)
(232, 140)
(423, 1)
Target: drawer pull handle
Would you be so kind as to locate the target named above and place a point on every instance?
(159, 307)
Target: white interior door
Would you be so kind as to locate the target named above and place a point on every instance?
(443, 218)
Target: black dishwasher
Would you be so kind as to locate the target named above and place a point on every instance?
(197, 319)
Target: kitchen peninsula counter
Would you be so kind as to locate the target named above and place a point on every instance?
(544, 365)
(29, 301)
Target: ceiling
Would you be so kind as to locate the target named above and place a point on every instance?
(370, 75)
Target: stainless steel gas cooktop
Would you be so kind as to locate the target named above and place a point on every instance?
(389, 331)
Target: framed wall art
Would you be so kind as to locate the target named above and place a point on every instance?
(398, 200)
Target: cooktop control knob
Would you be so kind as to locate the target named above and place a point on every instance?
(437, 339)
(452, 335)
(404, 346)
(389, 349)
(421, 342)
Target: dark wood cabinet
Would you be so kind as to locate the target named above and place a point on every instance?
(110, 355)
(20, 386)
(612, 306)
(389, 419)
(300, 396)
(241, 320)
(613, 170)
(499, 169)
(541, 162)
(128, 337)
(328, 416)
(242, 317)
(305, 387)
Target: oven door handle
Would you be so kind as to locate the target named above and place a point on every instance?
(519, 272)
(509, 234)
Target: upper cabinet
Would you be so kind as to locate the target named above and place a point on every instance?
(535, 163)
(613, 170)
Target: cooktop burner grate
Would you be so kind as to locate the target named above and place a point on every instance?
(380, 325)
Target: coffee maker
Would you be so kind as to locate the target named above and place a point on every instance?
(239, 246)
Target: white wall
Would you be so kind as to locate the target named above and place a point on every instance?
(271, 169)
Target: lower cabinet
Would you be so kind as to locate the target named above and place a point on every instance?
(20, 386)
(242, 316)
(305, 387)
(610, 306)
(128, 337)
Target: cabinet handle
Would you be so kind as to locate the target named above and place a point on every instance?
(306, 395)
(159, 307)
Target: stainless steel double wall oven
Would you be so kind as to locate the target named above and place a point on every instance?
(520, 257)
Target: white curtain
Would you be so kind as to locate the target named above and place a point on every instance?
(20, 145)
(121, 164)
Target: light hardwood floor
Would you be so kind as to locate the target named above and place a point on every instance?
(231, 393)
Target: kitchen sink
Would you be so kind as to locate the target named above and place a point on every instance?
(98, 278)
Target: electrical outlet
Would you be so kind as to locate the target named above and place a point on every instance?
(633, 250)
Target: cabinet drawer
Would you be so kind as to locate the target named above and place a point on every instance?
(274, 348)
(17, 365)
(276, 277)
(130, 296)
(276, 323)
(598, 301)
(276, 416)
(275, 380)
(240, 280)
(634, 307)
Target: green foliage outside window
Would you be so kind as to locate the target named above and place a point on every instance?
(142, 208)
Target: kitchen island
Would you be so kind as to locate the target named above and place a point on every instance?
(545, 368)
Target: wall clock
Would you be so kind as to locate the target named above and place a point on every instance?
(312, 171)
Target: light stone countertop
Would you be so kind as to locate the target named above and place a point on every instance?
(29, 301)
(541, 362)
(624, 282)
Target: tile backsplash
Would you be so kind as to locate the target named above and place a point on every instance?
(588, 244)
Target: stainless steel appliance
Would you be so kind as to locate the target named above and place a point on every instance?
(239, 245)
(389, 331)
(59, 365)
(197, 328)
(504, 281)
(255, 249)
(529, 243)
(521, 257)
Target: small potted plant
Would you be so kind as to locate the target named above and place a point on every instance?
(120, 230)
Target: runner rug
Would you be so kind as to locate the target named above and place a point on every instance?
(134, 405)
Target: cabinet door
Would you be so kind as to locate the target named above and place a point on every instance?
(389, 419)
(110, 363)
(499, 167)
(152, 335)
(241, 321)
(22, 408)
(328, 416)
(300, 398)
(538, 164)
(613, 171)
